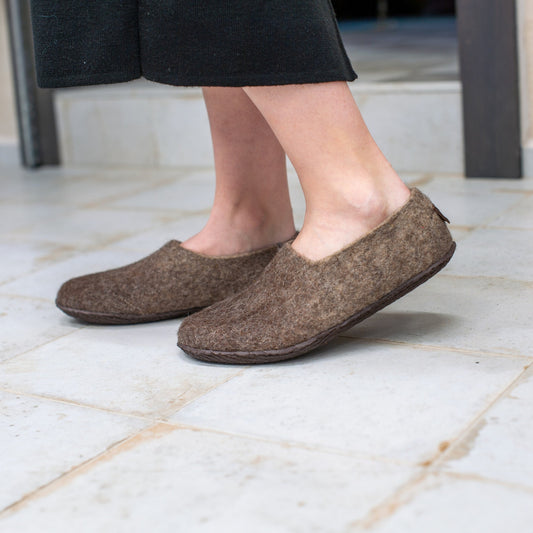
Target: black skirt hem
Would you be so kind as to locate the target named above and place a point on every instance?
(249, 80)
(58, 82)
(241, 80)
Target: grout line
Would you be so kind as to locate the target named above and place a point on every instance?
(36, 347)
(494, 278)
(163, 211)
(179, 425)
(71, 204)
(443, 455)
(432, 347)
(163, 419)
(102, 202)
(50, 486)
(508, 228)
(295, 444)
(462, 436)
(483, 479)
(390, 504)
(117, 447)
(422, 180)
(173, 410)
(431, 468)
(461, 227)
(526, 192)
(102, 245)
(74, 403)
(156, 417)
(25, 297)
(486, 224)
(412, 488)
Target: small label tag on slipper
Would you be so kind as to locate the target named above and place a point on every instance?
(440, 214)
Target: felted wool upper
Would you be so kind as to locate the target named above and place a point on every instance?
(172, 280)
(294, 299)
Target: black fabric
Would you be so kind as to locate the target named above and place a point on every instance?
(187, 42)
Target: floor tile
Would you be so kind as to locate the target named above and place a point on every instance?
(499, 447)
(20, 258)
(128, 174)
(73, 191)
(463, 506)
(194, 192)
(475, 187)
(26, 323)
(318, 444)
(41, 440)
(459, 233)
(19, 219)
(464, 208)
(136, 370)
(520, 215)
(86, 228)
(180, 480)
(498, 252)
(361, 397)
(485, 314)
(15, 178)
(148, 241)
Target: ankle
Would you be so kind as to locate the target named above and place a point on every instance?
(239, 231)
(330, 226)
(369, 202)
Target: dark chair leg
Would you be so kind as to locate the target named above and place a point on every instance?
(491, 102)
(35, 112)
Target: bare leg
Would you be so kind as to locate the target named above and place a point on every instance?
(349, 186)
(251, 209)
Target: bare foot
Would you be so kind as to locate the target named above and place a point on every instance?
(229, 235)
(325, 232)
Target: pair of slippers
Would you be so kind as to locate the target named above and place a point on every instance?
(272, 304)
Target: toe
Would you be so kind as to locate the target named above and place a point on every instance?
(73, 294)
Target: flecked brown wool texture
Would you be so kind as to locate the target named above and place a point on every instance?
(168, 283)
(295, 299)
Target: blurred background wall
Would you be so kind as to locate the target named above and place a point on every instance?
(345, 9)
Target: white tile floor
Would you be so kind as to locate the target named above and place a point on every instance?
(418, 420)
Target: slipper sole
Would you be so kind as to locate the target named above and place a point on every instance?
(282, 354)
(123, 319)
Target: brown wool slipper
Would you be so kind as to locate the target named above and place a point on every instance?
(169, 283)
(297, 305)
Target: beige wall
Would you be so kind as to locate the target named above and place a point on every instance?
(8, 129)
